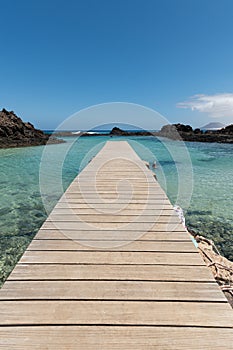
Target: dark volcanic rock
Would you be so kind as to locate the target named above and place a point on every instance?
(186, 133)
(15, 133)
(182, 132)
(119, 132)
(228, 130)
(171, 131)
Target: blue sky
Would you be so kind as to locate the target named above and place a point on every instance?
(58, 57)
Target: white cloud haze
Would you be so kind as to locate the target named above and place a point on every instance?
(217, 106)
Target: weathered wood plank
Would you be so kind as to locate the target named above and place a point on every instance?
(116, 258)
(111, 218)
(115, 338)
(102, 226)
(110, 186)
(173, 313)
(112, 235)
(109, 179)
(111, 290)
(135, 246)
(126, 201)
(117, 187)
(116, 206)
(111, 272)
(130, 196)
(126, 212)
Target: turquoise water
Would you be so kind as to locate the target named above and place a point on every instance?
(203, 172)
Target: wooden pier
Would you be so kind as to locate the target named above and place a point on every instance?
(113, 268)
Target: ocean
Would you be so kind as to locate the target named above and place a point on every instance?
(196, 176)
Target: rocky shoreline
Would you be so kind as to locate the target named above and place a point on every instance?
(186, 133)
(16, 133)
(179, 132)
(183, 132)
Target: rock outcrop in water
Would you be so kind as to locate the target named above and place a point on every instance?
(15, 133)
(183, 132)
(171, 131)
(119, 132)
(186, 133)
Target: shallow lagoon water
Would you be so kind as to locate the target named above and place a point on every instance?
(209, 211)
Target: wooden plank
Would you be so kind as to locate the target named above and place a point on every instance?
(130, 196)
(113, 235)
(111, 186)
(109, 179)
(116, 173)
(125, 212)
(111, 218)
(98, 169)
(135, 246)
(116, 258)
(112, 272)
(205, 314)
(111, 290)
(93, 186)
(133, 226)
(131, 175)
(115, 338)
(118, 170)
(119, 189)
(114, 206)
(125, 201)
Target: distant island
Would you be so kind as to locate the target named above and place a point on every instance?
(16, 133)
(213, 126)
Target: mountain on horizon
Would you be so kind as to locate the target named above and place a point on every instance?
(213, 126)
(110, 126)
